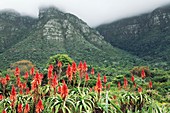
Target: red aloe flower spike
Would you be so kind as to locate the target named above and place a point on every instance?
(105, 79)
(32, 71)
(64, 91)
(132, 78)
(20, 92)
(26, 75)
(27, 108)
(24, 85)
(50, 74)
(74, 67)
(4, 111)
(98, 87)
(140, 89)
(54, 81)
(38, 78)
(3, 81)
(150, 84)
(59, 64)
(50, 71)
(13, 94)
(51, 67)
(125, 83)
(92, 71)
(143, 75)
(119, 85)
(41, 75)
(86, 77)
(59, 89)
(19, 108)
(18, 81)
(1, 97)
(69, 72)
(17, 72)
(36, 81)
(80, 66)
(7, 77)
(39, 107)
(27, 91)
(85, 66)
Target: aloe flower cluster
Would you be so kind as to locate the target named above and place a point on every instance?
(71, 92)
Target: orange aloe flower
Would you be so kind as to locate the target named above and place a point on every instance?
(64, 90)
(150, 84)
(86, 77)
(132, 78)
(50, 71)
(26, 75)
(98, 87)
(1, 97)
(54, 81)
(39, 107)
(92, 71)
(59, 64)
(17, 72)
(125, 83)
(7, 77)
(19, 108)
(18, 81)
(69, 72)
(140, 89)
(80, 66)
(36, 81)
(85, 66)
(143, 75)
(119, 85)
(27, 90)
(3, 81)
(4, 111)
(105, 79)
(59, 89)
(74, 67)
(13, 94)
(27, 108)
(32, 71)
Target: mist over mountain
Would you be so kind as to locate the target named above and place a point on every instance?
(146, 36)
(93, 12)
(53, 32)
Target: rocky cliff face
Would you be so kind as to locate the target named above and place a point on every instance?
(57, 32)
(147, 35)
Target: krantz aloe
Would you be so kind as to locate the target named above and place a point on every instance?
(70, 92)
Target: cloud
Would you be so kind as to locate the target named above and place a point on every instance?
(93, 12)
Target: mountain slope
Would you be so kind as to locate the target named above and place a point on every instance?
(57, 32)
(13, 28)
(147, 35)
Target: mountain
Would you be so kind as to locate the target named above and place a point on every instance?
(146, 36)
(56, 32)
(13, 28)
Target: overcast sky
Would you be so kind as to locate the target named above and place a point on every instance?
(93, 12)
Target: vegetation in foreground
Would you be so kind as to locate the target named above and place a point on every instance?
(66, 87)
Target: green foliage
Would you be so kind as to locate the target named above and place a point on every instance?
(46, 38)
(64, 58)
(142, 36)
